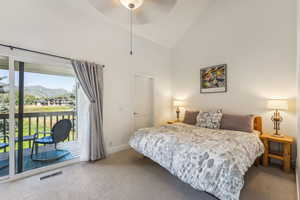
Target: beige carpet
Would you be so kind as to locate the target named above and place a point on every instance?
(127, 176)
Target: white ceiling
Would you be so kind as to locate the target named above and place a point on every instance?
(170, 28)
(40, 19)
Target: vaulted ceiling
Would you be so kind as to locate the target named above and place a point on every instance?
(168, 29)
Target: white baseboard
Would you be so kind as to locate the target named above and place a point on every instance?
(115, 149)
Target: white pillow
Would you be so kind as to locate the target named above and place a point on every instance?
(209, 119)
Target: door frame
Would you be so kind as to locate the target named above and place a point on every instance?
(133, 100)
(27, 57)
(11, 111)
(12, 103)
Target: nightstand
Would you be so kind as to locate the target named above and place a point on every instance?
(285, 157)
(172, 121)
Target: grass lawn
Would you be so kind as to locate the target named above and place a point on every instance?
(32, 108)
(33, 126)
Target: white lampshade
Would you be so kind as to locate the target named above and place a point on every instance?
(178, 103)
(278, 104)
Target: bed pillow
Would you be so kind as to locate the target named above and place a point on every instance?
(190, 117)
(209, 119)
(237, 122)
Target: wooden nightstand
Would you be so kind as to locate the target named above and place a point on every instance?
(285, 157)
(172, 121)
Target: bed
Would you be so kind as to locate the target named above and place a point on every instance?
(210, 160)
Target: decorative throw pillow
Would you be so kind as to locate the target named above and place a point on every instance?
(209, 119)
(190, 117)
(237, 122)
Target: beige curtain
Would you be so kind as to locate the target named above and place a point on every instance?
(90, 77)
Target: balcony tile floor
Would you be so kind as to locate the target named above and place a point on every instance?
(29, 164)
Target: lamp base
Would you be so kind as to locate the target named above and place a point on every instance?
(177, 114)
(278, 135)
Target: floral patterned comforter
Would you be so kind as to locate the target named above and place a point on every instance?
(210, 160)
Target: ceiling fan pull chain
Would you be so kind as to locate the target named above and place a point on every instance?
(131, 32)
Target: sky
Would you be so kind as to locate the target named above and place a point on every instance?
(45, 80)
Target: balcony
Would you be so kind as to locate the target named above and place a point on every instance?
(35, 122)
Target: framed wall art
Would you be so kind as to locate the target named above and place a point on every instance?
(213, 79)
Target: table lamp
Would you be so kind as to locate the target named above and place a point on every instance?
(277, 105)
(178, 104)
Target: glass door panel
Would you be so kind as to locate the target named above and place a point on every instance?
(4, 116)
(46, 99)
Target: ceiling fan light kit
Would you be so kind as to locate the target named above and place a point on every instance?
(132, 4)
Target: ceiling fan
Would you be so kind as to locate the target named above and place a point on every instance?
(139, 11)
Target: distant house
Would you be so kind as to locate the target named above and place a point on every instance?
(41, 103)
(55, 102)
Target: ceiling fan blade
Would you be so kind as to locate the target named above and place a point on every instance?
(140, 17)
(113, 9)
(151, 10)
(162, 3)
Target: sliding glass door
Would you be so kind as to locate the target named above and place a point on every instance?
(40, 123)
(4, 116)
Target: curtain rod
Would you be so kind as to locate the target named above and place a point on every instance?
(38, 52)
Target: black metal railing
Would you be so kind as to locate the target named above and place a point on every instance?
(37, 122)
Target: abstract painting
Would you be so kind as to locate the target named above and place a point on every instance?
(213, 79)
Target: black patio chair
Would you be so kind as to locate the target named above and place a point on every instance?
(59, 133)
(3, 145)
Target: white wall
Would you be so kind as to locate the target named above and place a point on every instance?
(298, 99)
(257, 39)
(73, 28)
